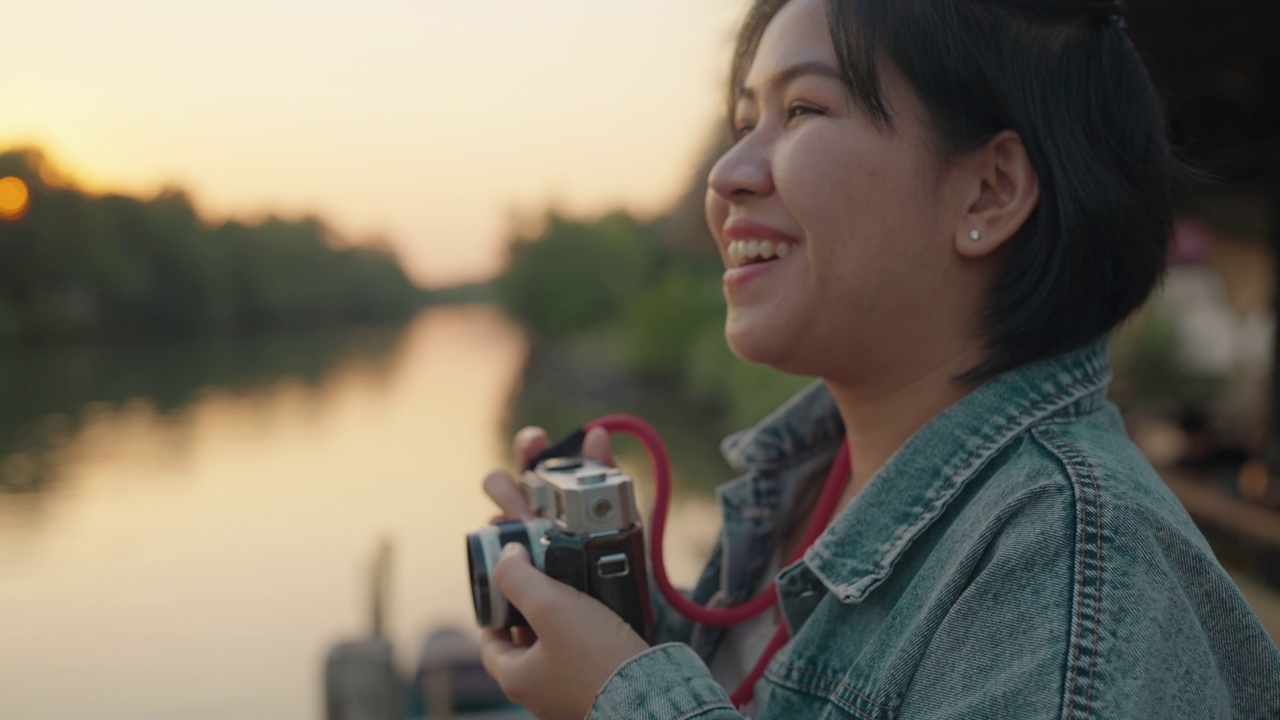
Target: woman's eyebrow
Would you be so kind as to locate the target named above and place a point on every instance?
(790, 73)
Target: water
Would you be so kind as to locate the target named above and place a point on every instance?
(184, 530)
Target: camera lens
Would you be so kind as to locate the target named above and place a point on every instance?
(480, 594)
(483, 549)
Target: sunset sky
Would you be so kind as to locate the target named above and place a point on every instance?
(428, 122)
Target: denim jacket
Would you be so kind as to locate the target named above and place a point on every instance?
(1018, 557)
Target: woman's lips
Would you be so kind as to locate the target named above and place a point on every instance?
(741, 229)
(739, 276)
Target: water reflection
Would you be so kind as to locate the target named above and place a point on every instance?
(184, 531)
(55, 398)
(188, 527)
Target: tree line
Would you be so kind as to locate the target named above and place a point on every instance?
(82, 266)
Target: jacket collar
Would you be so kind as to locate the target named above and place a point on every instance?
(807, 423)
(776, 457)
(860, 547)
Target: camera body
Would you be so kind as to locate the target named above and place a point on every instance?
(587, 534)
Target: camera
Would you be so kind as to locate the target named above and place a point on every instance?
(587, 534)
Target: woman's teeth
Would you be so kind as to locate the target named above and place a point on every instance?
(743, 252)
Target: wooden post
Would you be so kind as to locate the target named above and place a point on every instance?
(360, 678)
(360, 681)
(380, 582)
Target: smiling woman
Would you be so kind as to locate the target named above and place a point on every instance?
(940, 209)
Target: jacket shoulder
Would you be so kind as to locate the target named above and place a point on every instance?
(1151, 607)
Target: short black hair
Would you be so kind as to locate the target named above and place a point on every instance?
(1064, 76)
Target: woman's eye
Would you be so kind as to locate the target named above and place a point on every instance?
(742, 128)
(799, 109)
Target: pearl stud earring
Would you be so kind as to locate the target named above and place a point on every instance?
(975, 235)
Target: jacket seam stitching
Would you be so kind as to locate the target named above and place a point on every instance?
(813, 690)
(1065, 417)
(777, 459)
(813, 451)
(995, 439)
(838, 682)
(692, 712)
(1074, 462)
(985, 451)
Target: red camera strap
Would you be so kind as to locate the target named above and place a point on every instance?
(824, 510)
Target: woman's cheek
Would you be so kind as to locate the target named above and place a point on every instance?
(717, 211)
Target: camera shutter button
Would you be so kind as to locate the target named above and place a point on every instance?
(592, 478)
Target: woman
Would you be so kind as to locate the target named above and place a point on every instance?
(939, 208)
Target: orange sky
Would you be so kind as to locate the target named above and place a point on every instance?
(426, 121)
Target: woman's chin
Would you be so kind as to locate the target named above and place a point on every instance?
(755, 343)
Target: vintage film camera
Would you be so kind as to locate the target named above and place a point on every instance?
(587, 534)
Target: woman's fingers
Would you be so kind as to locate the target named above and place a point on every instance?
(531, 441)
(580, 642)
(502, 488)
(543, 601)
(499, 486)
(528, 443)
(523, 636)
(596, 446)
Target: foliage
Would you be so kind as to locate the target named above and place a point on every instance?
(663, 319)
(83, 266)
(658, 303)
(577, 275)
(747, 392)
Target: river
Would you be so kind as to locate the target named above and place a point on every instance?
(186, 529)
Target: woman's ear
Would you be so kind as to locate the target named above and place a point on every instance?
(1004, 190)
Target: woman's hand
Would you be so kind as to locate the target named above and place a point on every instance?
(579, 642)
(503, 490)
(576, 642)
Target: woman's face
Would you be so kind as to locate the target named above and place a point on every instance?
(863, 216)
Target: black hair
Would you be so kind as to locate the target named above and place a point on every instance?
(1064, 76)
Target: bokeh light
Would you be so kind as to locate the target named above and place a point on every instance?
(14, 198)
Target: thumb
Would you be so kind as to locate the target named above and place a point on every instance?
(528, 588)
(595, 446)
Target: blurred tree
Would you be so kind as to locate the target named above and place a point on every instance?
(649, 290)
(78, 266)
(577, 274)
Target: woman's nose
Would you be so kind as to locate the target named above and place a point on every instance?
(742, 172)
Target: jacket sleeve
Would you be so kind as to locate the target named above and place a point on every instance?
(666, 682)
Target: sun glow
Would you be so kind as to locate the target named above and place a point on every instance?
(439, 118)
(14, 198)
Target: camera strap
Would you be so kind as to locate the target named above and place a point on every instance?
(568, 446)
(824, 510)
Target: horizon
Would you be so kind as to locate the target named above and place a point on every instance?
(258, 109)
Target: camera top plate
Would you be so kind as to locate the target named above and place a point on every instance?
(581, 496)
